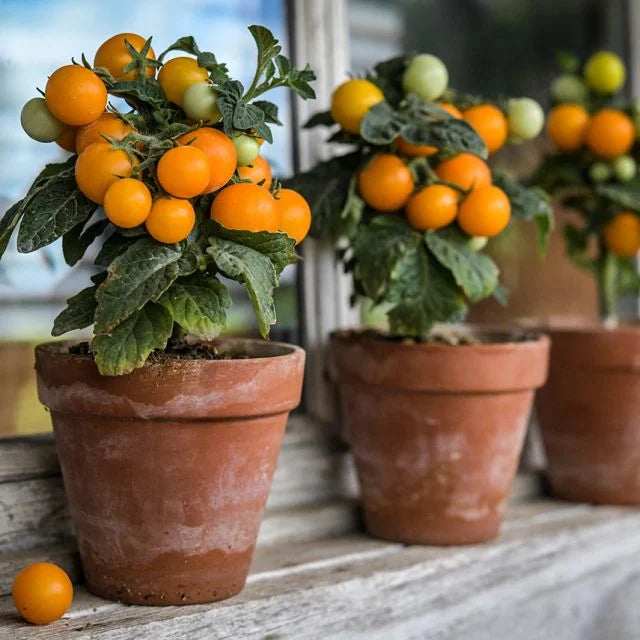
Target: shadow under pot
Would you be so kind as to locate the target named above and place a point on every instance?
(436, 430)
(589, 415)
(167, 469)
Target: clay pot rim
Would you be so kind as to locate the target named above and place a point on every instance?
(278, 350)
(597, 329)
(533, 339)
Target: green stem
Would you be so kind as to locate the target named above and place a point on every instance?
(608, 288)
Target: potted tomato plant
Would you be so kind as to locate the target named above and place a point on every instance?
(588, 411)
(435, 413)
(167, 437)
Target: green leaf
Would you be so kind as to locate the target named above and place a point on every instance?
(378, 248)
(8, 223)
(388, 76)
(198, 304)
(474, 272)
(112, 247)
(52, 207)
(278, 247)
(141, 89)
(267, 44)
(252, 268)
(128, 346)
(320, 119)
(139, 275)
(269, 109)
(423, 293)
(626, 195)
(79, 312)
(76, 242)
(382, 124)
(218, 72)
(577, 245)
(326, 188)
(186, 43)
(529, 204)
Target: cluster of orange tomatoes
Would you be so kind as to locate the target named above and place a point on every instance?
(202, 161)
(465, 194)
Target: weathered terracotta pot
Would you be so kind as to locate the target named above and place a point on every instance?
(589, 414)
(436, 431)
(167, 469)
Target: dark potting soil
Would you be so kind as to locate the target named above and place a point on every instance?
(175, 350)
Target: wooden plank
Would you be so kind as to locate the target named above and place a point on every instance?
(24, 458)
(347, 589)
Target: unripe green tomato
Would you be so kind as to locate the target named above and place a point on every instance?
(247, 148)
(199, 102)
(426, 76)
(478, 243)
(526, 118)
(39, 123)
(625, 168)
(569, 88)
(599, 172)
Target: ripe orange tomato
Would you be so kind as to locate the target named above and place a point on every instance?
(490, 124)
(352, 100)
(114, 56)
(610, 133)
(68, 139)
(465, 170)
(567, 126)
(294, 214)
(127, 203)
(386, 182)
(622, 234)
(98, 167)
(171, 220)
(220, 153)
(108, 124)
(75, 95)
(184, 171)
(258, 171)
(245, 206)
(178, 74)
(42, 593)
(433, 207)
(484, 212)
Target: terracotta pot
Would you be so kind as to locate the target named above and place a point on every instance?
(589, 414)
(436, 431)
(167, 469)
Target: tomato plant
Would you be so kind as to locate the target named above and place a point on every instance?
(412, 202)
(173, 173)
(592, 169)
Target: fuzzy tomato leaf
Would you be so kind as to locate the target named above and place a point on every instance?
(252, 268)
(112, 247)
(76, 242)
(79, 312)
(269, 109)
(198, 304)
(321, 119)
(474, 272)
(139, 275)
(129, 344)
(52, 207)
(626, 195)
(8, 223)
(278, 247)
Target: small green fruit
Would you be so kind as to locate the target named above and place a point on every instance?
(426, 76)
(199, 103)
(39, 123)
(247, 148)
(478, 243)
(526, 118)
(625, 168)
(599, 172)
(569, 88)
